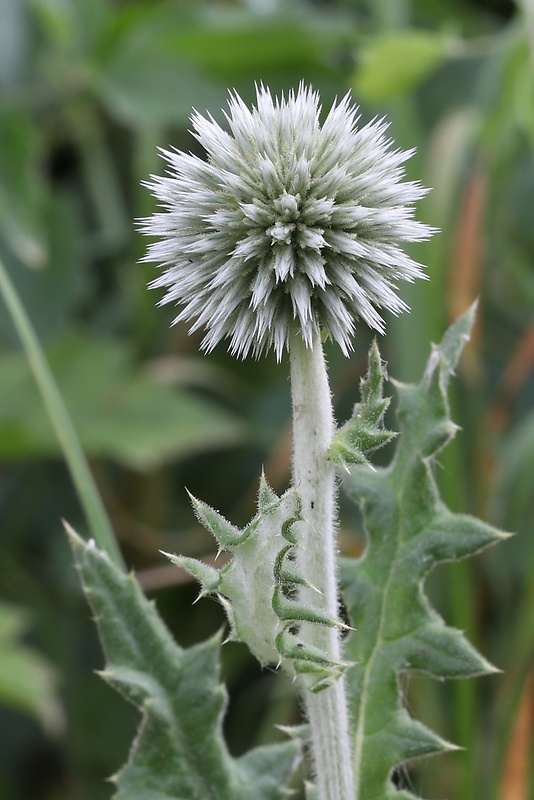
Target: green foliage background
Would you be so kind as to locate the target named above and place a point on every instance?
(88, 90)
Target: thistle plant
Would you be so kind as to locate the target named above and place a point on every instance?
(288, 230)
(291, 231)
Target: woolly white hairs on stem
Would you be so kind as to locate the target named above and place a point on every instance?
(288, 223)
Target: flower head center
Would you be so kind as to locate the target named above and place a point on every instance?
(288, 206)
(281, 233)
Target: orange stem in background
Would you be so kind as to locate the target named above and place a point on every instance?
(516, 775)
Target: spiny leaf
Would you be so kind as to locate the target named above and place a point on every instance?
(364, 432)
(409, 530)
(179, 752)
(208, 577)
(226, 534)
(256, 587)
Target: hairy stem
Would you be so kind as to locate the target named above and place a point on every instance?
(314, 478)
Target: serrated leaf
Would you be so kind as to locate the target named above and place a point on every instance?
(207, 576)
(226, 534)
(409, 530)
(179, 752)
(256, 587)
(364, 432)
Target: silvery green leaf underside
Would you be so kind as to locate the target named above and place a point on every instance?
(258, 587)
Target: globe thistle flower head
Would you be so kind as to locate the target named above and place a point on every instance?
(287, 225)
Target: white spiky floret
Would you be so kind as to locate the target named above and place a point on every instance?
(288, 224)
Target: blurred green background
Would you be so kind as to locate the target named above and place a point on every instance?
(88, 90)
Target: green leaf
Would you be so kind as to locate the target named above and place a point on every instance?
(231, 51)
(179, 752)
(154, 89)
(409, 530)
(393, 64)
(73, 27)
(118, 411)
(141, 80)
(27, 680)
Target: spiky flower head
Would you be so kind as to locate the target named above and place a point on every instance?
(288, 224)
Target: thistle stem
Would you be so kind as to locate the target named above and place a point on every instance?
(314, 478)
